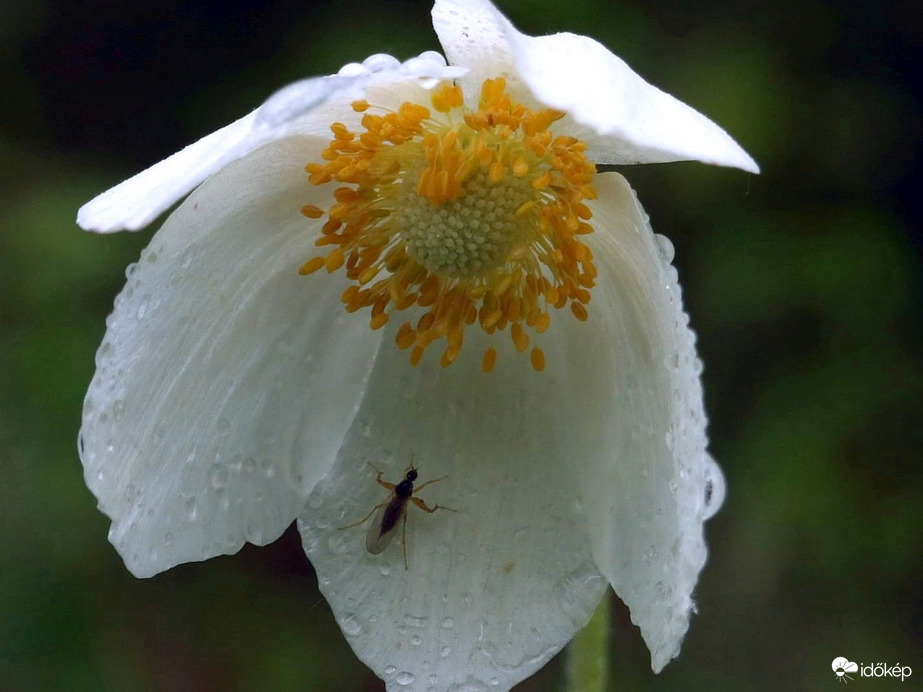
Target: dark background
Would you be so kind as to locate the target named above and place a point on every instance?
(804, 285)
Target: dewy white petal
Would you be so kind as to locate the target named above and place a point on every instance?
(650, 484)
(306, 107)
(628, 120)
(622, 118)
(225, 381)
(493, 590)
(473, 33)
(134, 203)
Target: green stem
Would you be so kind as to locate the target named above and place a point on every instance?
(588, 652)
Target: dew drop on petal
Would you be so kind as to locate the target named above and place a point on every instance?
(447, 623)
(415, 620)
(665, 246)
(390, 670)
(714, 490)
(350, 625)
(217, 476)
(405, 678)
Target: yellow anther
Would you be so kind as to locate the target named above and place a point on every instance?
(519, 336)
(538, 359)
(490, 359)
(520, 167)
(579, 311)
(470, 217)
(312, 265)
(496, 172)
(525, 208)
(334, 260)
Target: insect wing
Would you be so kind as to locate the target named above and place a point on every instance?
(384, 527)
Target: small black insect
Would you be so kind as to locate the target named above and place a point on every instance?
(393, 510)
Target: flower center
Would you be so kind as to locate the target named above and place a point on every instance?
(470, 216)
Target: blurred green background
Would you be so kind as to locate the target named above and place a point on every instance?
(804, 285)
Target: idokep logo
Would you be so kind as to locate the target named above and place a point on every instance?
(843, 666)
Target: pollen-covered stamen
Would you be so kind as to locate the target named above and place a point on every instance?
(473, 216)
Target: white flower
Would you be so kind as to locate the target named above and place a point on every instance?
(233, 394)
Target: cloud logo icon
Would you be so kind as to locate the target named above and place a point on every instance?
(841, 666)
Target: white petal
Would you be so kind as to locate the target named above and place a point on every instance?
(225, 380)
(651, 485)
(473, 33)
(622, 118)
(495, 589)
(134, 203)
(306, 107)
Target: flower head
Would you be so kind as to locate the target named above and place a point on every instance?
(360, 268)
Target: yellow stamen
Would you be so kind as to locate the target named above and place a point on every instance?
(472, 216)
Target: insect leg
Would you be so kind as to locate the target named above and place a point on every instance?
(385, 484)
(435, 480)
(365, 519)
(426, 508)
(404, 539)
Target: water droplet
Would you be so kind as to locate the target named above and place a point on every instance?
(390, 670)
(447, 623)
(494, 681)
(415, 620)
(445, 651)
(142, 308)
(217, 476)
(432, 678)
(405, 678)
(385, 570)
(266, 466)
(416, 640)
(715, 489)
(152, 257)
(667, 251)
(350, 625)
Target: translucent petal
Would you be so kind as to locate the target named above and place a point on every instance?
(622, 118)
(306, 107)
(650, 484)
(493, 590)
(473, 33)
(225, 381)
